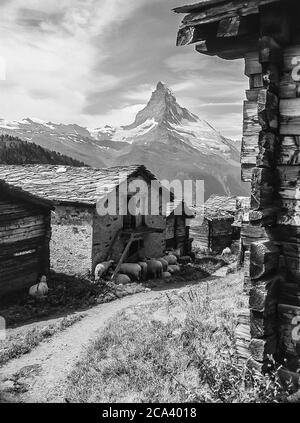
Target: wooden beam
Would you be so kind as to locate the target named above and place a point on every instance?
(264, 259)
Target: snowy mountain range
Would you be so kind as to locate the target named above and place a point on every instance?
(165, 137)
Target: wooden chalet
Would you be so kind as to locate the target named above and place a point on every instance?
(215, 231)
(81, 238)
(266, 34)
(178, 226)
(24, 239)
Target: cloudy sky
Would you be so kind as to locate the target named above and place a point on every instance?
(96, 62)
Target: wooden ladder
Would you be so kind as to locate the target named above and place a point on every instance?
(131, 239)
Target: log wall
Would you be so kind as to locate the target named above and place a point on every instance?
(273, 235)
(24, 244)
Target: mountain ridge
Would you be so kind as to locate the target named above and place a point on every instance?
(165, 137)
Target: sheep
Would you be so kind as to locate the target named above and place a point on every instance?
(133, 270)
(171, 259)
(226, 252)
(39, 290)
(122, 279)
(173, 269)
(102, 268)
(164, 264)
(144, 267)
(155, 269)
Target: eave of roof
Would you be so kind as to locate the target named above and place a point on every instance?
(205, 4)
(21, 194)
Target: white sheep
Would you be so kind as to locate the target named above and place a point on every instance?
(171, 259)
(173, 269)
(102, 268)
(122, 279)
(133, 270)
(40, 289)
(226, 252)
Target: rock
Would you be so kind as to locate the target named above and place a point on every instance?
(107, 298)
(232, 268)
(121, 293)
(8, 385)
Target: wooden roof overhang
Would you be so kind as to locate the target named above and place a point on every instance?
(231, 29)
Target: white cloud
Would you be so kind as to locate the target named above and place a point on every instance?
(63, 63)
(117, 117)
(139, 93)
(52, 56)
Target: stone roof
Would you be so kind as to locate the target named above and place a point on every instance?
(219, 207)
(67, 184)
(18, 193)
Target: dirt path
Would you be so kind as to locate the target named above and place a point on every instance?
(42, 373)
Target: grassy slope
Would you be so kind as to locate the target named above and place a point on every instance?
(25, 341)
(185, 354)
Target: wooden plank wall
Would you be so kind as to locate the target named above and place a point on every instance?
(24, 244)
(270, 159)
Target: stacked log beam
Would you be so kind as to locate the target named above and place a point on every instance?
(258, 162)
(289, 217)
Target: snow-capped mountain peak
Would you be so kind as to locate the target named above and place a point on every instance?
(163, 107)
(164, 120)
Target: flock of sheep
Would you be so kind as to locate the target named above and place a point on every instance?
(158, 268)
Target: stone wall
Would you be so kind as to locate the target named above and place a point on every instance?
(105, 229)
(107, 239)
(71, 241)
(155, 244)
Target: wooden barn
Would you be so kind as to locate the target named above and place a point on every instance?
(178, 227)
(81, 237)
(215, 230)
(24, 239)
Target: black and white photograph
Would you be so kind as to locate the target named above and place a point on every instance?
(149, 205)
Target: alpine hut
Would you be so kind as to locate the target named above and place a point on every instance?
(24, 238)
(82, 236)
(214, 231)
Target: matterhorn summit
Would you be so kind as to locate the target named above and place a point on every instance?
(164, 120)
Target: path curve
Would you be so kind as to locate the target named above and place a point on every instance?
(47, 366)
